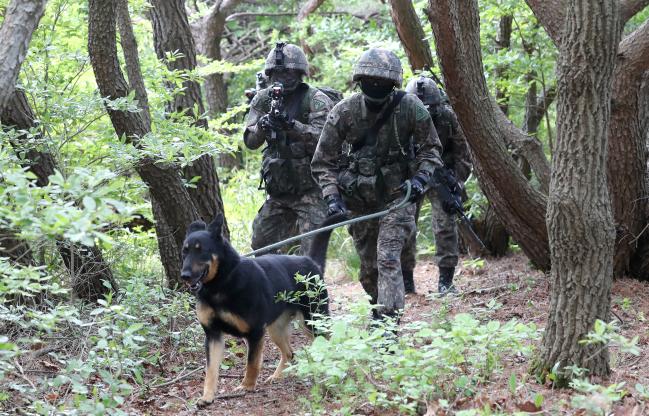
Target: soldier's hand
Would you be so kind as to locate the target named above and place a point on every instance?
(335, 205)
(281, 123)
(264, 123)
(418, 185)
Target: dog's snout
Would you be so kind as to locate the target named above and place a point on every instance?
(186, 275)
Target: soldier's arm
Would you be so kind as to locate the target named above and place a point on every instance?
(324, 165)
(309, 133)
(461, 158)
(253, 136)
(425, 140)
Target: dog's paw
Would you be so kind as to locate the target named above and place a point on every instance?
(204, 403)
(245, 387)
(273, 378)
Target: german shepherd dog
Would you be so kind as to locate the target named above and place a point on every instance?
(238, 296)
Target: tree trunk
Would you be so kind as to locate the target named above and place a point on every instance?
(626, 149)
(208, 40)
(492, 233)
(520, 207)
(171, 32)
(580, 220)
(411, 34)
(625, 138)
(640, 261)
(164, 180)
(20, 21)
(86, 265)
(503, 42)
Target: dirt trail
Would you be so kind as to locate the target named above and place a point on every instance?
(508, 288)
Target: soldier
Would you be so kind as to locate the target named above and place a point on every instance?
(455, 156)
(294, 204)
(371, 144)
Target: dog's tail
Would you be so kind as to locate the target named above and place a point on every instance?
(318, 251)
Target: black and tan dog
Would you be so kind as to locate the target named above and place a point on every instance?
(238, 296)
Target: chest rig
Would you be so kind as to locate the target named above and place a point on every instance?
(373, 166)
(286, 165)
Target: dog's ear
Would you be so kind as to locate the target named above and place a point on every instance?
(216, 226)
(195, 226)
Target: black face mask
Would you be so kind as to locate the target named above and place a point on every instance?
(376, 89)
(289, 78)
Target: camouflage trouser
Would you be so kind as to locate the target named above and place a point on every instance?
(446, 240)
(286, 216)
(379, 243)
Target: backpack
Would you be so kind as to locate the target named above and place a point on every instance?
(334, 95)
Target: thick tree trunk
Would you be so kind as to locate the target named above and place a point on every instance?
(411, 34)
(164, 181)
(640, 260)
(86, 265)
(626, 148)
(20, 21)
(580, 220)
(520, 207)
(171, 32)
(625, 166)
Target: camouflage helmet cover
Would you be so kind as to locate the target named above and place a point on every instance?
(379, 63)
(286, 55)
(426, 89)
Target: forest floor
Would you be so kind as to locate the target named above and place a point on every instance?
(507, 287)
(502, 290)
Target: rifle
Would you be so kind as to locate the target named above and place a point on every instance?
(450, 193)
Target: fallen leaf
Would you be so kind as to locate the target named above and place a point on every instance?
(527, 406)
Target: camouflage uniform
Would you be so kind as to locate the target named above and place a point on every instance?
(341, 170)
(294, 204)
(455, 156)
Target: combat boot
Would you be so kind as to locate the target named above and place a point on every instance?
(445, 285)
(408, 281)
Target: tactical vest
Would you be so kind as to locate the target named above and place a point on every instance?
(370, 175)
(286, 165)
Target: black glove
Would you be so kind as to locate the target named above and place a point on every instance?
(335, 205)
(449, 205)
(417, 186)
(448, 190)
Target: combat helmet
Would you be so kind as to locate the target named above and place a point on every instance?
(426, 89)
(286, 55)
(380, 63)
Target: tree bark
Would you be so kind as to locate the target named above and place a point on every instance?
(520, 207)
(170, 255)
(132, 60)
(580, 220)
(208, 39)
(411, 34)
(309, 7)
(626, 149)
(20, 22)
(86, 266)
(626, 163)
(171, 32)
(164, 180)
(503, 42)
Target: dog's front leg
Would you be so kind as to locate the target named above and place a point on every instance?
(255, 357)
(214, 347)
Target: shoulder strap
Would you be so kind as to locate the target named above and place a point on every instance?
(369, 139)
